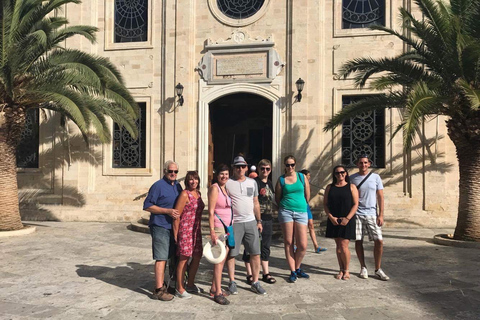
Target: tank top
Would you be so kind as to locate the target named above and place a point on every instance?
(293, 196)
(223, 208)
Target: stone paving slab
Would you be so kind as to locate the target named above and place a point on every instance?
(77, 270)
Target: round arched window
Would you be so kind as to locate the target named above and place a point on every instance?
(238, 12)
(239, 9)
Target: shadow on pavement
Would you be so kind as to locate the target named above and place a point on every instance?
(134, 276)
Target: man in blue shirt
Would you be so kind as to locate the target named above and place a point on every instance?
(370, 192)
(160, 202)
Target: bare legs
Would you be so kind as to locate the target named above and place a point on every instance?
(264, 264)
(311, 230)
(377, 253)
(159, 273)
(217, 277)
(294, 259)
(343, 257)
(192, 272)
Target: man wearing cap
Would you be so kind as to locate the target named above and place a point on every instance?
(160, 202)
(370, 190)
(246, 223)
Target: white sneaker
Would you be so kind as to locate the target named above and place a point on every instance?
(363, 273)
(381, 275)
(184, 295)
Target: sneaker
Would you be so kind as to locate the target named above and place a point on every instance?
(257, 288)
(162, 294)
(301, 274)
(232, 287)
(293, 277)
(194, 289)
(184, 295)
(220, 299)
(381, 275)
(363, 273)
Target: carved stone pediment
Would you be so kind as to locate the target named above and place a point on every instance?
(240, 58)
(239, 37)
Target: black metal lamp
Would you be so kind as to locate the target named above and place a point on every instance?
(179, 91)
(300, 83)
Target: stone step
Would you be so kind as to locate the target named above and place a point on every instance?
(139, 227)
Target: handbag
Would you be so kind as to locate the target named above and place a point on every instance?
(228, 232)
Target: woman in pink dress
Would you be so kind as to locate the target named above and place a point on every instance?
(188, 235)
(219, 205)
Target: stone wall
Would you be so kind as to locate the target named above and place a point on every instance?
(421, 190)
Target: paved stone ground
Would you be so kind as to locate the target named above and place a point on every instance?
(100, 270)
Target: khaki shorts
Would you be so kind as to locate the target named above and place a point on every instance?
(219, 231)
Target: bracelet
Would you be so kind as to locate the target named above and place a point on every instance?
(347, 218)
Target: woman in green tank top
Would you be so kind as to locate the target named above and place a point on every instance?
(292, 193)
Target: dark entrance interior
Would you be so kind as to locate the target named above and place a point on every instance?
(240, 123)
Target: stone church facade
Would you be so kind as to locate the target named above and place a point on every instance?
(240, 64)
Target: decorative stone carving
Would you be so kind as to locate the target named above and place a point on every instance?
(240, 58)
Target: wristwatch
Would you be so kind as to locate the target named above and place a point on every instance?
(259, 221)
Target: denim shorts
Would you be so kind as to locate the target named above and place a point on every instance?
(163, 244)
(285, 215)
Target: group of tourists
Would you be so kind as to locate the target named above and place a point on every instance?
(242, 208)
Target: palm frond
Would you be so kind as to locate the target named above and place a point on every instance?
(373, 102)
(472, 94)
(421, 102)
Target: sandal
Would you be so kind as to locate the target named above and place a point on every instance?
(346, 275)
(268, 278)
(224, 293)
(320, 249)
(339, 275)
(249, 280)
(220, 299)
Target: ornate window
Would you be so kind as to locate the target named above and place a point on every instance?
(362, 13)
(129, 152)
(27, 150)
(239, 9)
(364, 134)
(131, 20)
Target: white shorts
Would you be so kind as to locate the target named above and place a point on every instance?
(368, 225)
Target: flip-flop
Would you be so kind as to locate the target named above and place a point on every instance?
(346, 277)
(339, 276)
(320, 249)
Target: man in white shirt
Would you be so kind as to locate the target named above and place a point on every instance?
(246, 223)
(370, 190)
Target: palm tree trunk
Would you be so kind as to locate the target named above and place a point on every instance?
(466, 138)
(10, 132)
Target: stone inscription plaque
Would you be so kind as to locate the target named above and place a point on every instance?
(241, 65)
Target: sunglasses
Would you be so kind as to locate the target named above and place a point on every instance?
(242, 166)
(265, 169)
(340, 172)
(291, 165)
(173, 171)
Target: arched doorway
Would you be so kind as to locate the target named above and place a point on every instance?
(239, 123)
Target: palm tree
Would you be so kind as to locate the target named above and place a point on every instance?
(36, 72)
(438, 75)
